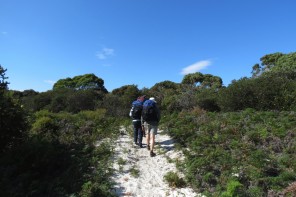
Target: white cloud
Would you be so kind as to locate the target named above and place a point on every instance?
(107, 65)
(196, 67)
(105, 53)
(49, 82)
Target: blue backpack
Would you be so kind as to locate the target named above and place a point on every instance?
(137, 109)
(149, 111)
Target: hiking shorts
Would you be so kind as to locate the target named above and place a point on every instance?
(151, 128)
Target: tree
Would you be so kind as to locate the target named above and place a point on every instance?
(204, 81)
(267, 92)
(64, 83)
(275, 62)
(193, 79)
(42, 100)
(165, 85)
(286, 64)
(163, 90)
(81, 100)
(211, 81)
(81, 82)
(125, 95)
(238, 95)
(89, 81)
(12, 117)
(3, 83)
(113, 106)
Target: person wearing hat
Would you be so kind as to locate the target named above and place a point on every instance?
(151, 123)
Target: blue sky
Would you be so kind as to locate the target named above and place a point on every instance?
(141, 42)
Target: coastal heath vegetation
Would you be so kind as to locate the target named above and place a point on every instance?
(237, 140)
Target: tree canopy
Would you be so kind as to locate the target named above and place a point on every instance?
(202, 80)
(81, 82)
(3, 83)
(275, 63)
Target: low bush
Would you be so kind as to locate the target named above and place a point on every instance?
(64, 155)
(174, 180)
(256, 149)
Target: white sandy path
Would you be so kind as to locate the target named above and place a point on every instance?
(150, 181)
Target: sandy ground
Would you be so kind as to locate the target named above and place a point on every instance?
(139, 175)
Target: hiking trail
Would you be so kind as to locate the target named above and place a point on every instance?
(139, 175)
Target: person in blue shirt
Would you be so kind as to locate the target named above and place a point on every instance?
(136, 115)
(151, 117)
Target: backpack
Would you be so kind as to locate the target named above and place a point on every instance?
(149, 111)
(137, 109)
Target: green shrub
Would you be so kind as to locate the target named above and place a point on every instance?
(135, 172)
(255, 147)
(13, 123)
(174, 180)
(234, 189)
(121, 161)
(254, 191)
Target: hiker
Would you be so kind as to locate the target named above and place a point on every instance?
(151, 117)
(135, 114)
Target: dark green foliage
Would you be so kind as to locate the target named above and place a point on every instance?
(40, 168)
(174, 180)
(268, 92)
(237, 96)
(268, 62)
(233, 189)
(110, 103)
(41, 101)
(64, 83)
(3, 82)
(120, 101)
(64, 155)
(81, 82)
(203, 80)
(12, 122)
(275, 63)
(165, 85)
(193, 78)
(60, 101)
(69, 100)
(81, 100)
(207, 99)
(12, 117)
(164, 90)
(84, 127)
(25, 98)
(249, 151)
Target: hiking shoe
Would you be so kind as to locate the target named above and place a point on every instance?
(140, 145)
(148, 147)
(152, 154)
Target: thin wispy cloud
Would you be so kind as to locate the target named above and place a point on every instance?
(105, 53)
(4, 32)
(107, 65)
(196, 67)
(49, 82)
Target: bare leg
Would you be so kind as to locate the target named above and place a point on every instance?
(148, 139)
(152, 141)
(152, 154)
